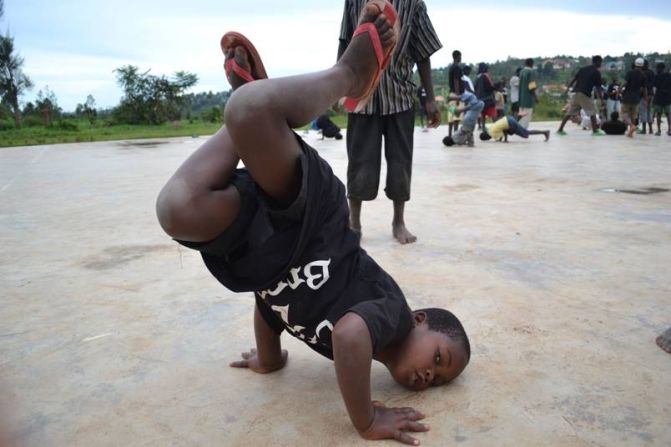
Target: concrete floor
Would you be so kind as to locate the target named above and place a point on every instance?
(112, 335)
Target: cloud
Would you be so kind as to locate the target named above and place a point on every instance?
(78, 59)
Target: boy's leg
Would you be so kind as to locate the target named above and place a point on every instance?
(546, 133)
(198, 202)
(259, 116)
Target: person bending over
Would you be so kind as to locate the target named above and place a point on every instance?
(508, 125)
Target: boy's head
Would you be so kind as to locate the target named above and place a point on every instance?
(529, 63)
(661, 68)
(614, 116)
(435, 351)
(467, 70)
(456, 56)
(484, 136)
(448, 141)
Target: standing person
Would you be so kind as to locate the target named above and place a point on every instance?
(613, 95)
(390, 115)
(515, 92)
(485, 91)
(645, 113)
(632, 92)
(456, 84)
(528, 97)
(421, 98)
(586, 80)
(662, 101)
(466, 78)
(455, 73)
(500, 100)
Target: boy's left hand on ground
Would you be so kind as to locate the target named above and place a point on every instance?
(251, 360)
(395, 423)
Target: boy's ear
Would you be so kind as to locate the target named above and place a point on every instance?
(419, 317)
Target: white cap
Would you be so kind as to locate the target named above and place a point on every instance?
(639, 62)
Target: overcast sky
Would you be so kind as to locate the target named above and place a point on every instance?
(73, 46)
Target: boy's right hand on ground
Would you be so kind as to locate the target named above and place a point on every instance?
(394, 423)
(251, 360)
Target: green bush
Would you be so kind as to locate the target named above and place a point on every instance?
(68, 125)
(6, 125)
(32, 121)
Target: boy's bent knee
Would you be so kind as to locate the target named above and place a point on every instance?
(246, 106)
(172, 206)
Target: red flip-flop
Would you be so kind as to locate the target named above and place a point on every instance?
(233, 39)
(383, 59)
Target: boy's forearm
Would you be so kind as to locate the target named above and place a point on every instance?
(353, 354)
(268, 344)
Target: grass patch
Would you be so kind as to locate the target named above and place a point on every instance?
(79, 131)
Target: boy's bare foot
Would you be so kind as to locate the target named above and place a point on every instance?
(664, 341)
(402, 234)
(547, 135)
(360, 56)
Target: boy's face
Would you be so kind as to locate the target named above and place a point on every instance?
(426, 358)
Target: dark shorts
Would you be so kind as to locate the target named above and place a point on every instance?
(515, 128)
(364, 154)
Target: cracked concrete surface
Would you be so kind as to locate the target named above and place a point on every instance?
(111, 334)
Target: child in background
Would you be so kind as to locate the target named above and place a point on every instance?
(472, 107)
(508, 125)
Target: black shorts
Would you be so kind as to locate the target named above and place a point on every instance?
(364, 153)
(263, 242)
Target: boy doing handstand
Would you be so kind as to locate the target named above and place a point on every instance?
(279, 227)
(471, 107)
(510, 126)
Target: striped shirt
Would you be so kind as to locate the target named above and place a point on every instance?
(417, 42)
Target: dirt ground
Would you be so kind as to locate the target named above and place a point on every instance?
(111, 334)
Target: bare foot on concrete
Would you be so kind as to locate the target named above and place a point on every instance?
(402, 235)
(664, 341)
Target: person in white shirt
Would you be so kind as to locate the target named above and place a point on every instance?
(515, 92)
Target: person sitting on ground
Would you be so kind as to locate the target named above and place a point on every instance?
(279, 227)
(614, 126)
(508, 125)
(328, 128)
(470, 107)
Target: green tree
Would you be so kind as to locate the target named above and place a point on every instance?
(88, 110)
(46, 105)
(150, 99)
(13, 82)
